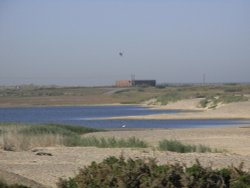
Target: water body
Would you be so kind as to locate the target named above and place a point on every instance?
(86, 116)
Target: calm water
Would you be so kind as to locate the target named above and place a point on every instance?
(85, 115)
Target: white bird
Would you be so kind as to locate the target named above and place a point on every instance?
(123, 126)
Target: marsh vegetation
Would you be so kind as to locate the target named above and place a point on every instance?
(16, 137)
(163, 94)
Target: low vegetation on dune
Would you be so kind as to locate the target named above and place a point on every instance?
(120, 173)
(177, 146)
(214, 100)
(162, 94)
(210, 96)
(169, 97)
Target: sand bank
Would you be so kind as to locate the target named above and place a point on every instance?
(240, 110)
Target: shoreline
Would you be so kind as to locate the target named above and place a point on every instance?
(65, 105)
(237, 111)
(232, 111)
(164, 117)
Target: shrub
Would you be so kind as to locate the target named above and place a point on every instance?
(177, 146)
(4, 185)
(118, 172)
(204, 103)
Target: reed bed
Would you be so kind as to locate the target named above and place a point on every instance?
(14, 137)
(17, 137)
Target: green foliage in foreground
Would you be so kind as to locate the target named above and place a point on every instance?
(177, 146)
(119, 173)
(4, 185)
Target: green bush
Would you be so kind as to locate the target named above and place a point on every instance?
(204, 103)
(120, 173)
(177, 146)
(4, 185)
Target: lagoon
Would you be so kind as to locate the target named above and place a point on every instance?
(86, 116)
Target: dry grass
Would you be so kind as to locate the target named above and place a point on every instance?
(14, 137)
(12, 140)
(25, 137)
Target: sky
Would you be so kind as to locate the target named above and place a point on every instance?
(65, 42)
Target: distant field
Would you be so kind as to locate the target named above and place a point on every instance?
(35, 95)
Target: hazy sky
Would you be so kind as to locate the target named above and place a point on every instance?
(77, 42)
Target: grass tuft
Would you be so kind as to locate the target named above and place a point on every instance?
(113, 142)
(177, 146)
